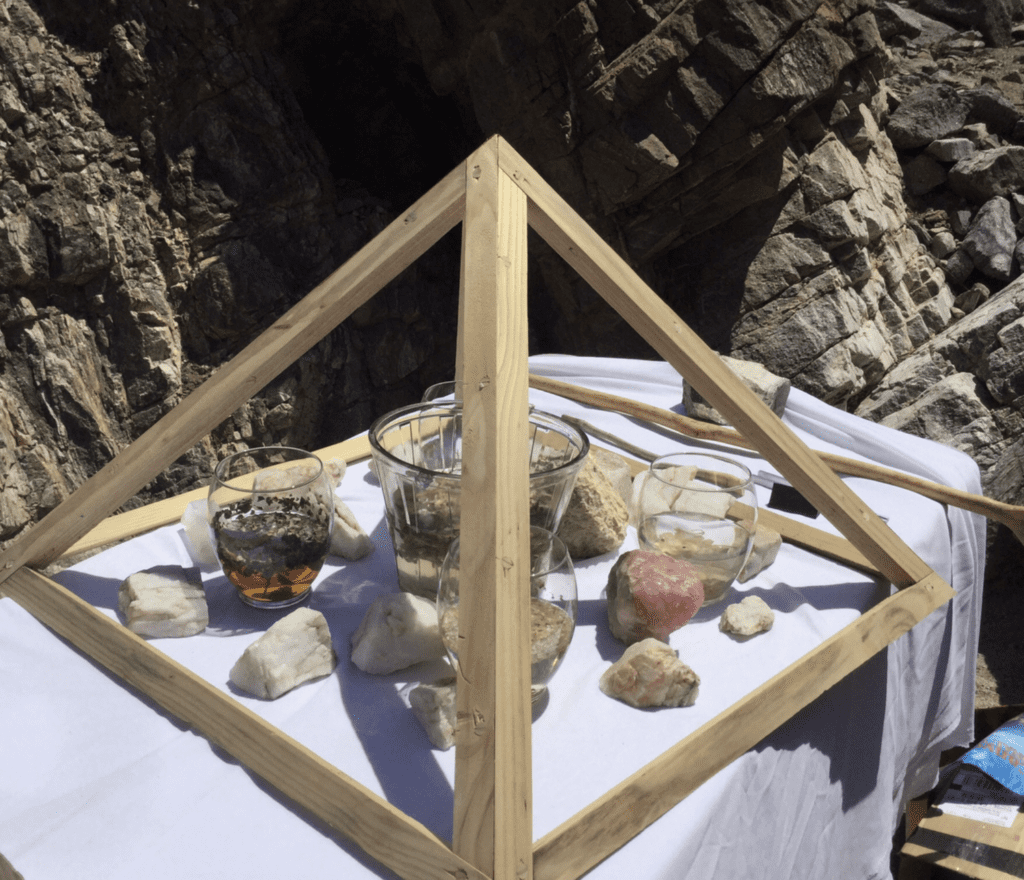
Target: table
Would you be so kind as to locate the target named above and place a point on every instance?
(95, 779)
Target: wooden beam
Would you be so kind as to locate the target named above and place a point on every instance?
(625, 810)
(493, 800)
(601, 267)
(383, 831)
(326, 306)
(125, 525)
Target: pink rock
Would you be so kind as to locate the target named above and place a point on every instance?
(651, 595)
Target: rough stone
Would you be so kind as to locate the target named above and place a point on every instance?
(951, 150)
(167, 601)
(991, 240)
(596, 517)
(932, 112)
(772, 390)
(397, 631)
(989, 173)
(295, 649)
(649, 673)
(650, 595)
(434, 708)
(748, 617)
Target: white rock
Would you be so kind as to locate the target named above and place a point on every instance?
(596, 517)
(677, 489)
(615, 468)
(650, 673)
(398, 630)
(748, 617)
(295, 649)
(166, 601)
(347, 537)
(772, 389)
(434, 708)
(198, 539)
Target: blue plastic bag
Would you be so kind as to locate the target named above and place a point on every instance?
(1001, 755)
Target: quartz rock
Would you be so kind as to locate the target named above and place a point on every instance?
(650, 673)
(347, 537)
(762, 553)
(195, 521)
(747, 617)
(166, 601)
(615, 468)
(434, 708)
(772, 389)
(596, 517)
(680, 481)
(398, 630)
(651, 595)
(295, 649)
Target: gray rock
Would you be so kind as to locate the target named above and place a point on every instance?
(930, 113)
(951, 149)
(919, 30)
(989, 106)
(943, 244)
(923, 174)
(991, 240)
(1004, 367)
(993, 18)
(996, 172)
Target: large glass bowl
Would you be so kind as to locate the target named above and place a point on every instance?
(417, 456)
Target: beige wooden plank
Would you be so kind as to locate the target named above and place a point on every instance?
(125, 525)
(648, 314)
(493, 801)
(402, 242)
(613, 819)
(380, 829)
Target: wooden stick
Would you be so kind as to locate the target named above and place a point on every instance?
(383, 831)
(1010, 515)
(599, 829)
(493, 819)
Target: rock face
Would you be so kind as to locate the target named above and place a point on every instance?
(825, 188)
(162, 199)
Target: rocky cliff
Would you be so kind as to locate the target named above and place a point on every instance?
(830, 188)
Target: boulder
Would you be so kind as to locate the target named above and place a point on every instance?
(930, 113)
(991, 240)
(989, 173)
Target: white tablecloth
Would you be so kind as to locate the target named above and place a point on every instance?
(97, 782)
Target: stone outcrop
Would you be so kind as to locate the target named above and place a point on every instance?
(162, 199)
(826, 188)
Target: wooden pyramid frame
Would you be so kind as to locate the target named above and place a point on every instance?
(497, 197)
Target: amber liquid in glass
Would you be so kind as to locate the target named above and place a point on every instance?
(272, 557)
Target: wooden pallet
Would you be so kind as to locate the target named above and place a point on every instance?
(497, 197)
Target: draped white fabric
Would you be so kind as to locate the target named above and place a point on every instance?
(97, 782)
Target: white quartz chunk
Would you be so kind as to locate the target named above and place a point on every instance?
(295, 649)
(166, 601)
(198, 541)
(347, 537)
(434, 708)
(398, 630)
(649, 673)
(748, 617)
